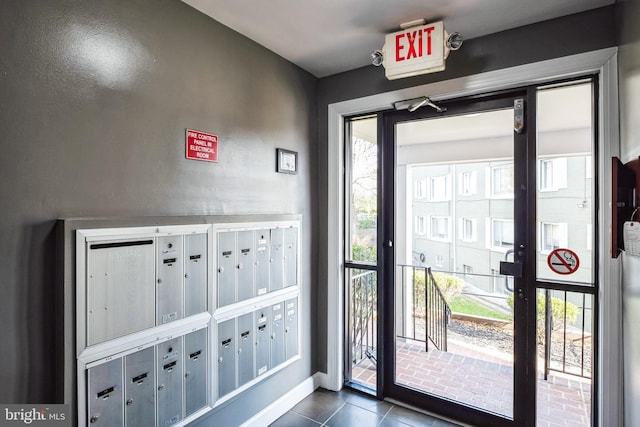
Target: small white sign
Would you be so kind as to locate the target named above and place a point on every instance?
(414, 51)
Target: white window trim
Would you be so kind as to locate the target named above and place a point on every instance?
(559, 172)
(490, 192)
(430, 230)
(604, 62)
(447, 188)
(491, 228)
(563, 240)
(473, 183)
(474, 229)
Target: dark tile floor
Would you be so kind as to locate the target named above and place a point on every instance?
(348, 408)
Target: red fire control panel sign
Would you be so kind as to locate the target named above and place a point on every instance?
(201, 146)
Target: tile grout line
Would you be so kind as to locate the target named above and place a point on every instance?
(335, 412)
(385, 414)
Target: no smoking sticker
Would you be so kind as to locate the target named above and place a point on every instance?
(563, 261)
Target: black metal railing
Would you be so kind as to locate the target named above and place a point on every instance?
(363, 313)
(430, 313)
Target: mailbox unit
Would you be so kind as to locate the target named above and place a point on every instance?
(174, 320)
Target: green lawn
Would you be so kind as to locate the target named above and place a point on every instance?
(465, 305)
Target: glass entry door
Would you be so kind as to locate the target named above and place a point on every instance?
(456, 216)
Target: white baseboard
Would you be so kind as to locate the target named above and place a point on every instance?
(286, 402)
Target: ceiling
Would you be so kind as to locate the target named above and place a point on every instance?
(326, 37)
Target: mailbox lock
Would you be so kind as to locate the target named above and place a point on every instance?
(129, 402)
(221, 269)
(94, 419)
(186, 276)
(161, 387)
(159, 280)
(220, 360)
(239, 350)
(187, 375)
(240, 266)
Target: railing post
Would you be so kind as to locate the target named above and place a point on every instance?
(548, 324)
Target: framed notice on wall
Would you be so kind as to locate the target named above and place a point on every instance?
(286, 161)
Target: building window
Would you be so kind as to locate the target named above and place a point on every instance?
(553, 174)
(421, 225)
(439, 261)
(467, 230)
(440, 188)
(468, 183)
(421, 189)
(467, 269)
(502, 233)
(439, 228)
(553, 236)
(502, 181)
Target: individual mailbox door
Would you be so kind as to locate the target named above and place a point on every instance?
(139, 388)
(245, 265)
(291, 256)
(120, 288)
(169, 373)
(195, 273)
(262, 332)
(245, 349)
(291, 328)
(277, 335)
(263, 246)
(195, 371)
(226, 268)
(105, 394)
(170, 266)
(226, 357)
(277, 259)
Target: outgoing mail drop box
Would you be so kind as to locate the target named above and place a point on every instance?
(262, 255)
(195, 273)
(195, 371)
(120, 288)
(245, 260)
(246, 332)
(290, 256)
(277, 335)
(139, 388)
(105, 394)
(262, 338)
(226, 250)
(170, 286)
(291, 328)
(169, 374)
(276, 280)
(226, 357)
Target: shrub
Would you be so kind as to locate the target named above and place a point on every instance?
(449, 286)
(557, 313)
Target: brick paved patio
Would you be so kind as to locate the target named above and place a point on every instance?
(484, 380)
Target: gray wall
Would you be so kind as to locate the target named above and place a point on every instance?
(629, 81)
(95, 97)
(556, 38)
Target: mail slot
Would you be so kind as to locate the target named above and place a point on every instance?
(245, 265)
(169, 385)
(291, 256)
(105, 394)
(262, 331)
(262, 257)
(226, 268)
(277, 335)
(276, 272)
(195, 375)
(245, 349)
(139, 388)
(170, 274)
(226, 357)
(120, 284)
(291, 328)
(195, 274)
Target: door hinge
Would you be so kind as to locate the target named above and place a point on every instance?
(518, 115)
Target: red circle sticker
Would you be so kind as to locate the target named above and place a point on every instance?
(563, 261)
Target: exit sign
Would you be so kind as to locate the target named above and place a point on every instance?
(414, 51)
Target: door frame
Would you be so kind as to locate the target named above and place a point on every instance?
(604, 62)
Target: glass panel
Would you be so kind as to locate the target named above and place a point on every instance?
(453, 324)
(362, 191)
(565, 355)
(565, 193)
(362, 329)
